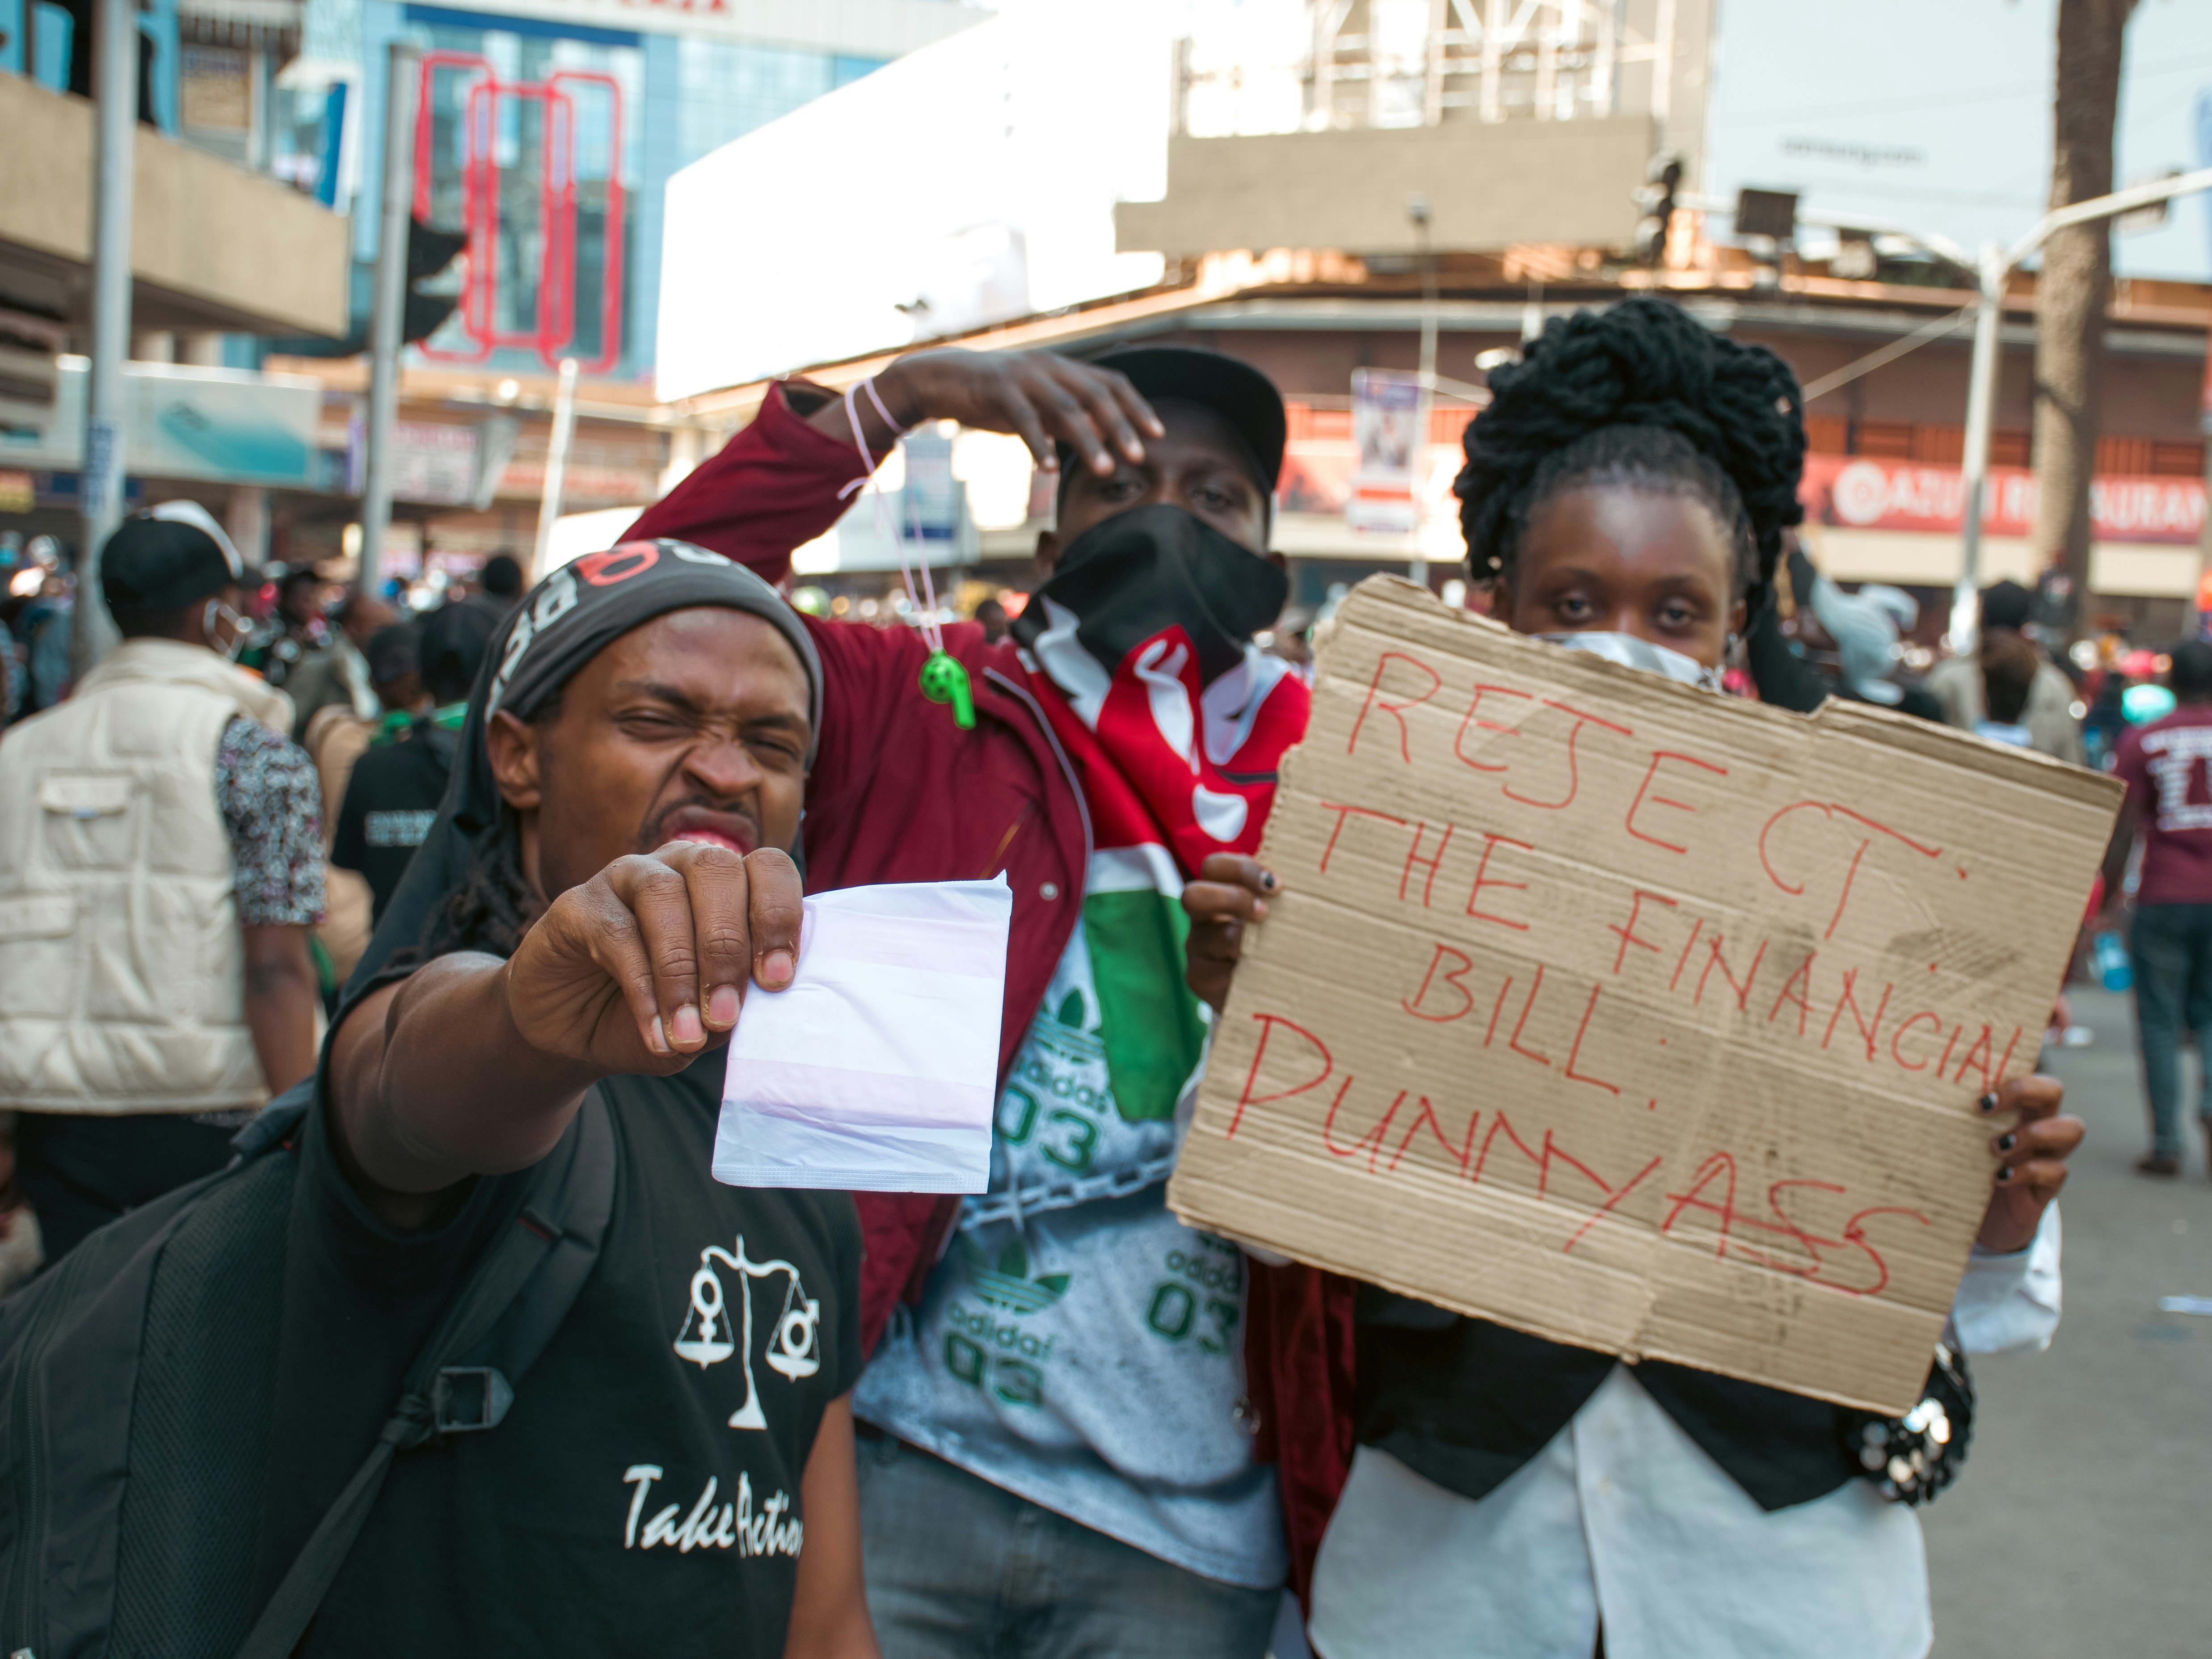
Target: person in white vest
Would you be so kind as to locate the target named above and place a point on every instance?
(161, 864)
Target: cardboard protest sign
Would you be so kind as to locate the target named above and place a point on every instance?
(1634, 1016)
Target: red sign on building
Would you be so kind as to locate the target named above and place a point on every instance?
(1858, 492)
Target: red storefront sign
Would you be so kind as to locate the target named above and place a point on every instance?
(1857, 492)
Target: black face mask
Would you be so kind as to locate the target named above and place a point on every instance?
(1158, 567)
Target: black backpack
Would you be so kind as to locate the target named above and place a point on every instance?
(135, 1373)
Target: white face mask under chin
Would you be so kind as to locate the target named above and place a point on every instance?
(233, 624)
(1630, 652)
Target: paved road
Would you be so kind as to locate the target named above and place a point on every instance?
(2082, 1522)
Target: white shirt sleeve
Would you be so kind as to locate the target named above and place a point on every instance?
(2010, 1303)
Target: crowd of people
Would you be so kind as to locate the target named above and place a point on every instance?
(698, 1418)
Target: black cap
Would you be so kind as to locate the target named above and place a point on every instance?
(2191, 674)
(392, 651)
(2006, 605)
(166, 558)
(454, 639)
(1231, 387)
(502, 576)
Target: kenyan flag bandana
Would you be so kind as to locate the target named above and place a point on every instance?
(1140, 650)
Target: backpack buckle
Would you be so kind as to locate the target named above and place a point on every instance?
(467, 1397)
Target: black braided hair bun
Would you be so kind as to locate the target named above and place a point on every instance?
(1641, 394)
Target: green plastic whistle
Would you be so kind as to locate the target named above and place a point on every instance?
(944, 680)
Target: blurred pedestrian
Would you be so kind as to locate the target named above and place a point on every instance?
(2169, 802)
(160, 845)
(2009, 667)
(992, 616)
(336, 739)
(338, 671)
(499, 583)
(40, 626)
(295, 631)
(392, 799)
(1956, 684)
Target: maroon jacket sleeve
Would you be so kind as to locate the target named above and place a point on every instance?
(1299, 1373)
(772, 488)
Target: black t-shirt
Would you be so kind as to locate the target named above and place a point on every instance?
(642, 1495)
(391, 802)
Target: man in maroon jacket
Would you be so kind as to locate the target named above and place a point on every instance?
(1061, 1452)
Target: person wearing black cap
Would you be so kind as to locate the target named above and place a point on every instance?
(608, 870)
(160, 864)
(338, 672)
(2053, 728)
(1057, 1454)
(499, 583)
(393, 797)
(336, 738)
(296, 633)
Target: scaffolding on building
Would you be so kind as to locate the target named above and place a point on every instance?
(1421, 63)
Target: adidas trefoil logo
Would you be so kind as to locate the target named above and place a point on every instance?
(1008, 1285)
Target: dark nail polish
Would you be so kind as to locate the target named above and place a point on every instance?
(1989, 1102)
(2005, 1174)
(2005, 1142)
(1267, 881)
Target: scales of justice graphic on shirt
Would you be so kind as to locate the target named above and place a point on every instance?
(794, 1344)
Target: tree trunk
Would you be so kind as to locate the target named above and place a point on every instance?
(2074, 288)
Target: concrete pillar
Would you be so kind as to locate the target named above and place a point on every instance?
(246, 518)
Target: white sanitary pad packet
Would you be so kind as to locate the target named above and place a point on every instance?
(876, 1070)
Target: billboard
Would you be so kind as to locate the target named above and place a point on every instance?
(1939, 117)
(222, 425)
(969, 182)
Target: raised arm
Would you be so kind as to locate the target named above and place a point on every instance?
(776, 485)
(474, 1065)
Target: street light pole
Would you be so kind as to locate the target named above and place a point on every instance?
(1981, 416)
(99, 477)
(387, 321)
(556, 467)
(1997, 266)
(1416, 210)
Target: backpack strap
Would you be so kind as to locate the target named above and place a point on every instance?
(276, 1123)
(463, 1379)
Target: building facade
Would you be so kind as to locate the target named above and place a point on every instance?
(545, 134)
(1325, 178)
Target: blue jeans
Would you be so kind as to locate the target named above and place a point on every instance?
(960, 1569)
(2172, 946)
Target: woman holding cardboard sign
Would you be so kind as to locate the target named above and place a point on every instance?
(1627, 492)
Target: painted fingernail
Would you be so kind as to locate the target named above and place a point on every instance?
(686, 1028)
(1267, 882)
(659, 1036)
(1989, 1102)
(2005, 1174)
(722, 1007)
(776, 968)
(2005, 1142)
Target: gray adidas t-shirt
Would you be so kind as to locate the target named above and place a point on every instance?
(1079, 1346)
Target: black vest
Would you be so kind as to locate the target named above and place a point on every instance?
(1465, 1403)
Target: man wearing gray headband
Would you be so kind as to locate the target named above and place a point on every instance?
(610, 870)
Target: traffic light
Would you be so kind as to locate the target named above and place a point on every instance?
(1657, 200)
(430, 253)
